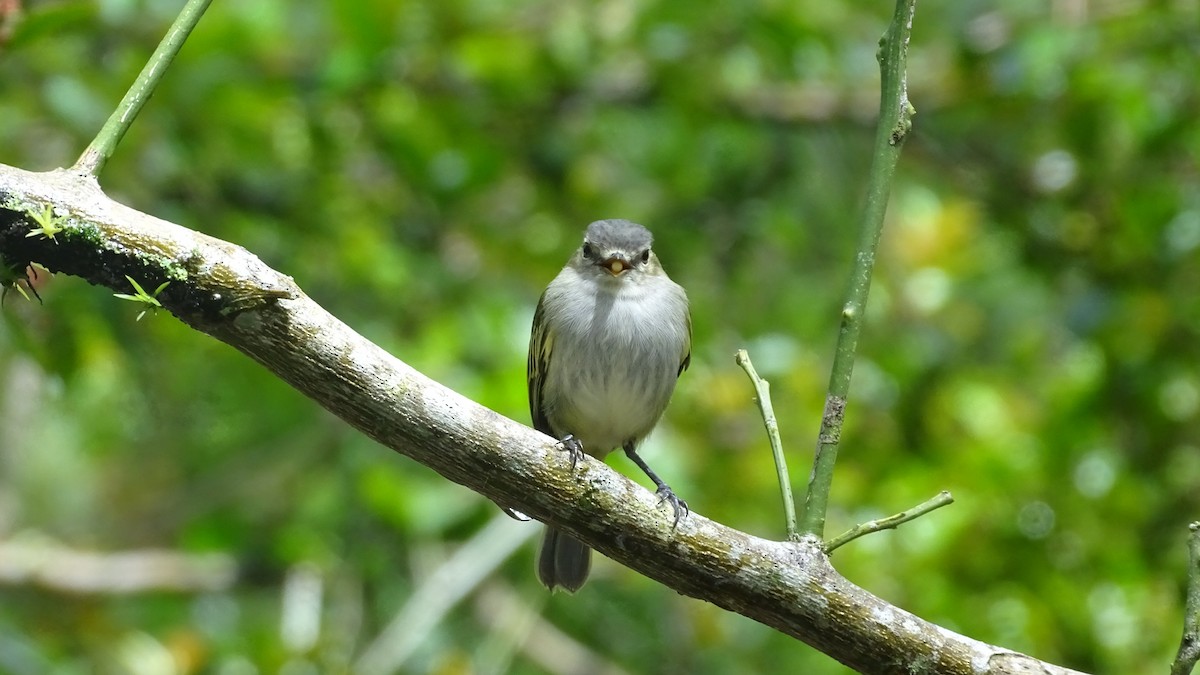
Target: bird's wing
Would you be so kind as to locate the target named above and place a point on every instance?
(540, 344)
(687, 348)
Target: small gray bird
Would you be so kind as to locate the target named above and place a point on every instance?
(611, 335)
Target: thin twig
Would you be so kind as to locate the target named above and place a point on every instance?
(433, 599)
(762, 393)
(36, 560)
(895, 120)
(1189, 646)
(891, 522)
(92, 161)
(520, 622)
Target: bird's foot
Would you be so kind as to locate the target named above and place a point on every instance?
(574, 446)
(680, 507)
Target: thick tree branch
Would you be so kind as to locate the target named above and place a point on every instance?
(225, 291)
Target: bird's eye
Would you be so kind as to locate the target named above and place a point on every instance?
(588, 251)
(646, 255)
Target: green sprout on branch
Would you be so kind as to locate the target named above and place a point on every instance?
(11, 278)
(150, 299)
(50, 224)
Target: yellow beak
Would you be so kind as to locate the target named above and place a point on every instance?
(615, 265)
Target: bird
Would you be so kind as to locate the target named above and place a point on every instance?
(610, 337)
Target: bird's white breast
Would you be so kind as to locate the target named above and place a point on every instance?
(617, 348)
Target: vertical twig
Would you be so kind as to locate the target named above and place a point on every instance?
(1189, 646)
(895, 120)
(762, 392)
(92, 161)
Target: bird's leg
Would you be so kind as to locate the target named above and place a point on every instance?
(664, 491)
(574, 446)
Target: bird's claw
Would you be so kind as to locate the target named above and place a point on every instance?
(574, 446)
(679, 506)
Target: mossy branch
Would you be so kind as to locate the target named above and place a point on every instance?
(227, 292)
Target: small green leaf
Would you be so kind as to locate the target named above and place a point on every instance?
(142, 296)
(50, 224)
(10, 278)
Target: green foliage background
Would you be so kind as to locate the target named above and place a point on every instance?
(423, 168)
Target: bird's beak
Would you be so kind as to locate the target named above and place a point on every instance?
(615, 265)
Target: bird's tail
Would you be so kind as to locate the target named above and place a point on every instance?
(564, 561)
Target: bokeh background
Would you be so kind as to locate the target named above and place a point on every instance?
(424, 168)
